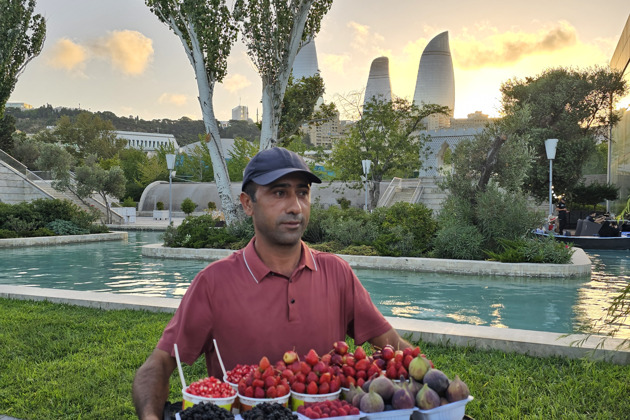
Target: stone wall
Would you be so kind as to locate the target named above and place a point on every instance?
(15, 189)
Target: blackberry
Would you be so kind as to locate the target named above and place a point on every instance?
(269, 411)
(207, 411)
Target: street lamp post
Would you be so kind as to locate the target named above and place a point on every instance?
(550, 148)
(366, 170)
(170, 164)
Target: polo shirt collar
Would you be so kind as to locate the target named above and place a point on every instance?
(259, 270)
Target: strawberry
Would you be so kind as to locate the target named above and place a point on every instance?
(324, 388)
(359, 353)
(259, 393)
(311, 357)
(264, 364)
(312, 388)
(271, 392)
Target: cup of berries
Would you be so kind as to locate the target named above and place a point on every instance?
(263, 384)
(207, 390)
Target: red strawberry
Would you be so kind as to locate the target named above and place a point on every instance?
(263, 364)
(259, 393)
(312, 388)
(324, 388)
(359, 353)
(326, 377)
(311, 357)
(362, 364)
(282, 390)
(272, 392)
(299, 387)
(312, 377)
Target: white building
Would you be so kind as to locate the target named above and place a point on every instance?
(240, 113)
(148, 142)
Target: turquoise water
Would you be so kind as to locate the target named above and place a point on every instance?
(556, 305)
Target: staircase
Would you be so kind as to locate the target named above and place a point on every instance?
(44, 186)
(415, 190)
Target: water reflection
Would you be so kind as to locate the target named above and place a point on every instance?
(559, 305)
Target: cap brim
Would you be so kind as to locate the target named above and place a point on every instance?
(269, 177)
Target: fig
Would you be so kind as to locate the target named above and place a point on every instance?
(402, 399)
(349, 393)
(437, 380)
(383, 386)
(443, 401)
(414, 386)
(372, 403)
(457, 390)
(427, 398)
(418, 367)
(356, 398)
(366, 384)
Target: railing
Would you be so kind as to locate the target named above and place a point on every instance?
(18, 166)
(417, 193)
(384, 200)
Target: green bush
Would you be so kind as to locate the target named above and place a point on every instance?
(188, 206)
(358, 250)
(41, 232)
(410, 226)
(6, 234)
(159, 205)
(458, 242)
(198, 232)
(128, 202)
(533, 250)
(212, 205)
(66, 227)
(344, 203)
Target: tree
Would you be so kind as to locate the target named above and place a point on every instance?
(573, 106)
(242, 152)
(388, 135)
(197, 164)
(273, 31)
(207, 32)
(92, 178)
(22, 35)
(87, 135)
(299, 106)
(130, 162)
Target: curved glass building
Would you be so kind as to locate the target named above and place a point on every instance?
(435, 83)
(378, 84)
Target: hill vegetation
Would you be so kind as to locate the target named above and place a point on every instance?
(185, 130)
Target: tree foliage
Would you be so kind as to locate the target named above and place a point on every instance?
(207, 32)
(388, 135)
(273, 31)
(87, 135)
(92, 178)
(573, 106)
(22, 35)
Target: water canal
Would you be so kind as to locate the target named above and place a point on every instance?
(555, 305)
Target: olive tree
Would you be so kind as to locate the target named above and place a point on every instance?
(207, 32)
(273, 31)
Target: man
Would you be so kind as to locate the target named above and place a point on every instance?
(274, 295)
(563, 215)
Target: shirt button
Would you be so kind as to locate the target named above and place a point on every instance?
(292, 300)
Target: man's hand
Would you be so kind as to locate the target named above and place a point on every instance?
(151, 387)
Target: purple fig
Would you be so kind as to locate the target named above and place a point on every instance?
(418, 367)
(372, 403)
(437, 380)
(402, 399)
(414, 386)
(356, 398)
(457, 390)
(427, 398)
(383, 386)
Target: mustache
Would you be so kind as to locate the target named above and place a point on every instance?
(291, 219)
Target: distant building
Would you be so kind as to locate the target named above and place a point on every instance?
(620, 142)
(435, 83)
(148, 142)
(378, 85)
(441, 143)
(240, 113)
(20, 105)
(325, 134)
(475, 120)
(305, 63)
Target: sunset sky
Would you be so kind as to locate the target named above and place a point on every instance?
(116, 56)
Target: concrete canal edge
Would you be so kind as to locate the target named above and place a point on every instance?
(533, 343)
(580, 265)
(62, 239)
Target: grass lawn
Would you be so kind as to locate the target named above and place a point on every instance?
(69, 362)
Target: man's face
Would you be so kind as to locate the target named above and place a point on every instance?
(281, 210)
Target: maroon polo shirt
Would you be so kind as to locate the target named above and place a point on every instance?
(253, 312)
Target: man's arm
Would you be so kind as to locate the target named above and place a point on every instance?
(390, 337)
(151, 385)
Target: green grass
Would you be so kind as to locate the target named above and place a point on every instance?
(69, 362)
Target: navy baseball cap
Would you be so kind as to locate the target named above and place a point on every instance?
(271, 164)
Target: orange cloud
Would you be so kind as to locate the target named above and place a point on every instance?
(67, 55)
(235, 82)
(173, 99)
(128, 51)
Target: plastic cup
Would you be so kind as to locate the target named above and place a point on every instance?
(189, 400)
(298, 399)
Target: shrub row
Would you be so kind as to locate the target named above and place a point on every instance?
(44, 217)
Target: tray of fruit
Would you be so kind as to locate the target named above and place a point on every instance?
(332, 409)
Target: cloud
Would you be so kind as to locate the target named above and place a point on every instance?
(128, 51)
(236, 82)
(173, 99)
(334, 63)
(507, 48)
(67, 55)
(363, 39)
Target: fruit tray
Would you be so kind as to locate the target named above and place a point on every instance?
(453, 411)
(390, 415)
(356, 417)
